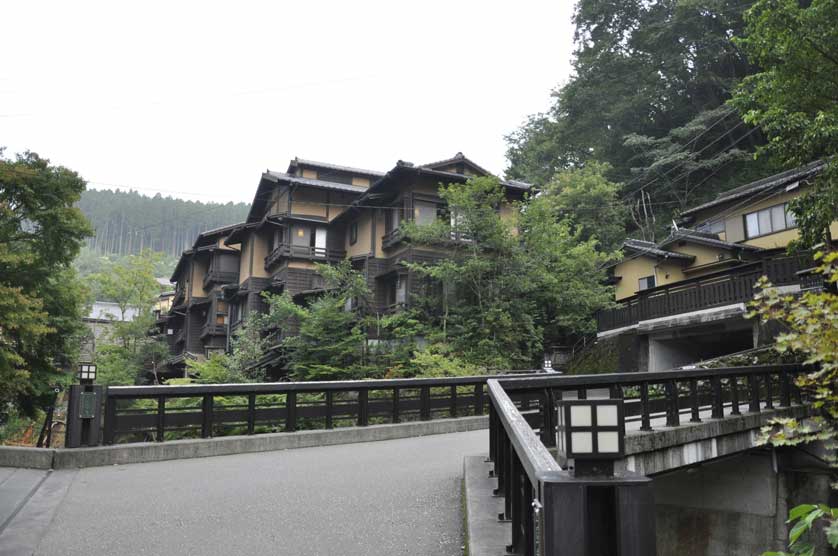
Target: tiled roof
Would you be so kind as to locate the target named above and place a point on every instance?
(459, 157)
(704, 238)
(280, 176)
(764, 184)
(650, 248)
(349, 169)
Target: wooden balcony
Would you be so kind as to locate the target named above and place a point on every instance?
(219, 277)
(735, 285)
(285, 251)
(212, 329)
(393, 238)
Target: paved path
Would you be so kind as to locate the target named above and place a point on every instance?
(396, 497)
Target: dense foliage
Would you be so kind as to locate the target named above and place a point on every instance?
(794, 99)
(647, 97)
(811, 324)
(41, 300)
(128, 353)
(126, 222)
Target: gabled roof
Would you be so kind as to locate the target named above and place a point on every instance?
(271, 178)
(211, 236)
(456, 159)
(651, 249)
(328, 166)
(705, 238)
(766, 184)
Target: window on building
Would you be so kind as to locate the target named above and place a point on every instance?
(221, 313)
(311, 237)
(397, 292)
(646, 283)
(353, 233)
(769, 220)
(424, 213)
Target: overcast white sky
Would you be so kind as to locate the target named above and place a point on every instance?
(196, 99)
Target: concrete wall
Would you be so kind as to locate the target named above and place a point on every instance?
(736, 506)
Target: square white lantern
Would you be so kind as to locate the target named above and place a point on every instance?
(591, 429)
(87, 371)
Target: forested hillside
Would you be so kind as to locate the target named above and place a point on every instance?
(126, 222)
(649, 98)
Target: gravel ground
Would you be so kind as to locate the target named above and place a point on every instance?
(396, 497)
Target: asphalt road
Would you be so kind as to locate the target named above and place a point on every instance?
(396, 497)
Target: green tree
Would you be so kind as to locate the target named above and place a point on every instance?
(42, 301)
(811, 324)
(509, 281)
(642, 69)
(589, 203)
(130, 352)
(793, 99)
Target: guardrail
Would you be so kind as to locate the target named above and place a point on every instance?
(144, 413)
(712, 290)
(522, 419)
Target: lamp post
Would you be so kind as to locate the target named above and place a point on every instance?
(84, 412)
(610, 512)
(87, 374)
(591, 435)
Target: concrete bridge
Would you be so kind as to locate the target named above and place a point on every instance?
(397, 488)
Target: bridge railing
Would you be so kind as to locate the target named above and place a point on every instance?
(529, 477)
(159, 413)
(665, 398)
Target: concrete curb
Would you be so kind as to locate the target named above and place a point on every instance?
(31, 458)
(485, 535)
(143, 452)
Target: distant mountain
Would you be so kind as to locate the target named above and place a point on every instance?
(127, 222)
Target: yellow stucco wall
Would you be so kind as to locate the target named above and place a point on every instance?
(630, 271)
(362, 246)
(358, 180)
(244, 261)
(310, 174)
(309, 202)
(302, 264)
(199, 269)
(260, 251)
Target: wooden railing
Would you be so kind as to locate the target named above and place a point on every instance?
(304, 252)
(713, 290)
(220, 277)
(143, 413)
(522, 425)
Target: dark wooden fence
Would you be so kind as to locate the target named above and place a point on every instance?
(712, 290)
(159, 413)
(529, 477)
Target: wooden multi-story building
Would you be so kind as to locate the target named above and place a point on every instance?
(197, 322)
(317, 213)
(683, 299)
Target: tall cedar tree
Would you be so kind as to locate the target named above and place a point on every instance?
(41, 300)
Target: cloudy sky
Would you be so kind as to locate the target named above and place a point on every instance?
(195, 99)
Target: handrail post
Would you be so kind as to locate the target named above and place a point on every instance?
(161, 418)
(425, 403)
(718, 401)
(206, 416)
(330, 408)
(290, 411)
(109, 434)
(396, 397)
(734, 395)
(785, 390)
(769, 391)
(453, 403)
(478, 399)
(645, 419)
(753, 387)
(695, 417)
(673, 416)
(251, 413)
(363, 407)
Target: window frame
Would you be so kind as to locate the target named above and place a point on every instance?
(646, 278)
(353, 233)
(756, 214)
